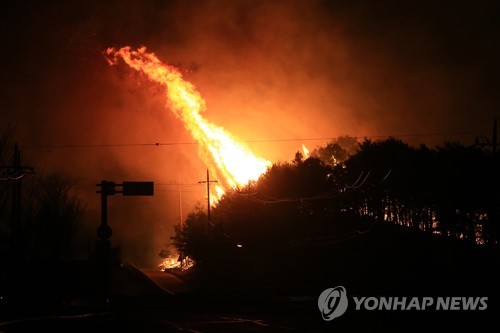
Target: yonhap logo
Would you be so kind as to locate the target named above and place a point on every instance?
(333, 302)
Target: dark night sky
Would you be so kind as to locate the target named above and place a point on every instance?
(321, 68)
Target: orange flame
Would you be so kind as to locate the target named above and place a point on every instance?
(305, 150)
(175, 261)
(235, 165)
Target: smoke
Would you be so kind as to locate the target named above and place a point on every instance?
(267, 69)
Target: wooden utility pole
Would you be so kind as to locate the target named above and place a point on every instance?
(16, 173)
(495, 135)
(208, 181)
(494, 138)
(180, 201)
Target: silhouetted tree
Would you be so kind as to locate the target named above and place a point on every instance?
(464, 189)
(446, 190)
(192, 238)
(337, 151)
(52, 213)
(208, 245)
(293, 205)
(49, 216)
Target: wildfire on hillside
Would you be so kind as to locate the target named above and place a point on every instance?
(228, 158)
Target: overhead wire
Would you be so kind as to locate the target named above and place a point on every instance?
(21, 176)
(357, 180)
(383, 179)
(159, 144)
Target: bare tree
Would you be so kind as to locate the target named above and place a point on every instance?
(52, 213)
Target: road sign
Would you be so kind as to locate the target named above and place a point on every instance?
(138, 188)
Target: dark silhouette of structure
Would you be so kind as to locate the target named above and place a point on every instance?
(15, 173)
(208, 181)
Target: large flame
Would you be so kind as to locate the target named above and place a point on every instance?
(231, 160)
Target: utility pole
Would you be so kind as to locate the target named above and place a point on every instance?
(208, 181)
(180, 200)
(495, 219)
(494, 230)
(181, 254)
(16, 173)
(495, 136)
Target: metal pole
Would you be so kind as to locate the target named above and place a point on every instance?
(104, 231)
(104, 205)
(208, 198)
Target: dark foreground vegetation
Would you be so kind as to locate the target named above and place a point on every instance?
(383, 216)
(380, 218)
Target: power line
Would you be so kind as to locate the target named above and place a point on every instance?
(365, 137)
(160, 144)
(163, 190)
(111, 145)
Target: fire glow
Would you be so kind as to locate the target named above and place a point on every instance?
(231, 160)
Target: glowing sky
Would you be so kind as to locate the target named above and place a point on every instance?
(267, 70)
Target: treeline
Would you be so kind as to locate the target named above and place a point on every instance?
(451, 190)
(344, 189)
